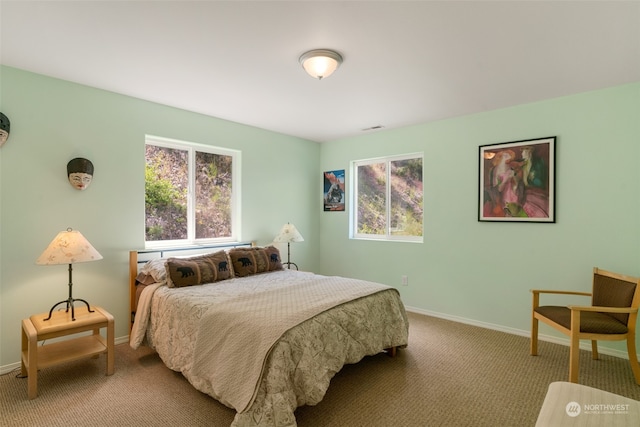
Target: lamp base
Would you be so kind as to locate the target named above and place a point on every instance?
(289, 264)
(69, 303)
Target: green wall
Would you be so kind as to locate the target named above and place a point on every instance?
(53, 121)
(482, 272)
(465, 270)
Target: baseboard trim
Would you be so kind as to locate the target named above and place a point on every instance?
(584, 345)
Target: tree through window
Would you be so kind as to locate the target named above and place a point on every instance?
(190, 193)
(388, 198)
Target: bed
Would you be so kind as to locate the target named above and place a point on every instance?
(258, 338)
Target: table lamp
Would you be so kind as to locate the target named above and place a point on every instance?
(289, 233)
(69, 247)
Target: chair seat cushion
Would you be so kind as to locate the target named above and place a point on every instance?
(590, 322)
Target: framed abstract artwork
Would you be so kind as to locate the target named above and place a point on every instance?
(517, 181)
(334, 191)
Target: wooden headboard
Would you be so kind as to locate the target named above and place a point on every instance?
(136, 258)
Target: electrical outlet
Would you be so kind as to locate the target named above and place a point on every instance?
(405, 281)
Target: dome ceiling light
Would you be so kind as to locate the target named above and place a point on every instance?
(320, 63)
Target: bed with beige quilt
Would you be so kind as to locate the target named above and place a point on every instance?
(258, 338)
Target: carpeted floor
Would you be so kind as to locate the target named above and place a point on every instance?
(450, 375)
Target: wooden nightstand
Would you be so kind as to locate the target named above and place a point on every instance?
(35, 329)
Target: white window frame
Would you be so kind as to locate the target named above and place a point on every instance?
(191, 148)
(353, 218)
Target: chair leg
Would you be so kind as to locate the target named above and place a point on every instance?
(574, 359)
(534, 336)
(633, 357)
(535, 303)
(594, 350)
(574, 349)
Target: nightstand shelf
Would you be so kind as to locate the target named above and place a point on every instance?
(69, 350)
(35, 329)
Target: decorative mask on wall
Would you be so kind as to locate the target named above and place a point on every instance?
(80, 173)
(4, 129)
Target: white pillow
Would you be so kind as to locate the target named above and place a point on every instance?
(156, 269)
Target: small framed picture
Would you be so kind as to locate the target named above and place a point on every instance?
(517, 181)
(334, 191)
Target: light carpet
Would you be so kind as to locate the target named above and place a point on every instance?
(451, 374)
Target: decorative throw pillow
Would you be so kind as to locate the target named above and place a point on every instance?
(244, 262)
(198, 270)
(247, 261)
(273, 254)
(224, 270)
(262, 260)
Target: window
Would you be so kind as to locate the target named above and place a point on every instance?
(191, 193)
(387, 198)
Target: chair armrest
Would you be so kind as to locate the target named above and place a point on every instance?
(601, 309)
(542, 291)
(536, 295)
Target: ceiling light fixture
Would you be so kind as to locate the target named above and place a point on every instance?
(320, 63)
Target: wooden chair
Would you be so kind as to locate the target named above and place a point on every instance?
(611, 316)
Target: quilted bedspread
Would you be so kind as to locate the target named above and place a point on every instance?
(266, 359)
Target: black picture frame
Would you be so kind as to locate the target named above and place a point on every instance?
(518, 181)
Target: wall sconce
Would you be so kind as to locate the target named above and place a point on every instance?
(320, 63)
(5, 125)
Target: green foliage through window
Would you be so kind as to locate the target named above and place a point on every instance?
(388, 198)
(188, 192)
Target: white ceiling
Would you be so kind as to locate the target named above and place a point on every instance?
(404, 62)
